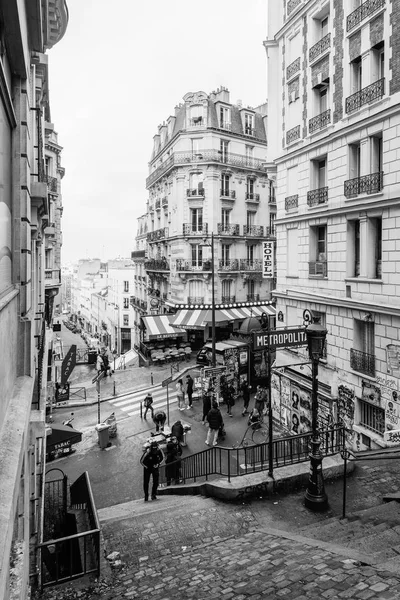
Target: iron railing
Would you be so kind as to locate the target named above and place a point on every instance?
(367, 184)
(315, 197)
(320, 47)
(362, 12)
(253, 230)
(228, 193)
(228, 229)
(138, 254)
(372, 92)
(229, 264)
(154, 264)
(252, 197)
(53, 274)
(250, 265)
(291, 202)
(318, 268)
(320, 121)
(195, 299)
(234, 462)
(293, 68)
(253, 297)
(362, 362)
(198, 230)
(212, 155)
(195, 191)
(157, 235)
(193, 265)
(228, 299)
(197, 122)
(293, 134)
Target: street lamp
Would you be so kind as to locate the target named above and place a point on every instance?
(315, 497)
(213, 359)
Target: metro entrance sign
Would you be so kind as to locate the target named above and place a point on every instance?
(279, 338)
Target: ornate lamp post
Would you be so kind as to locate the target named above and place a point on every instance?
(213, 360)
(315, 497)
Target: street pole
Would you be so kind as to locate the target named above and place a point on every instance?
(270, 422)
(167, 405)
(214, 362)
(98, 400)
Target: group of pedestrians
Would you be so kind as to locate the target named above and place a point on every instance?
(183, 390)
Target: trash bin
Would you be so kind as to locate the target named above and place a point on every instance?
(102, 432)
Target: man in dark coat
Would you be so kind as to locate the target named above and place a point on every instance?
(246, 397)
(173, 461)
(215, 421)
(159, 419)
(189, 389)
(206, 407)
(150, 461)
(177, 431)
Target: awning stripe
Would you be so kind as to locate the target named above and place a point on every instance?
(158, 326)
(199, 318)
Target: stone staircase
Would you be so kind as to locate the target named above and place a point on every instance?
(374, 532)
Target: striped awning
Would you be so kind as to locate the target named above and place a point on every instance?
(158, 327)
(199, 319)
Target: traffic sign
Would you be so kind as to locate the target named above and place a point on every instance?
(98, 377)
(166, 382)
(279, 338)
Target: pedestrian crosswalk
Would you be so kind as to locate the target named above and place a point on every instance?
(131, 403)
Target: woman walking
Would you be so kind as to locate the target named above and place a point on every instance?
(180, 395)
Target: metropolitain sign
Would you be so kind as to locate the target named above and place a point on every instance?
(279, 338)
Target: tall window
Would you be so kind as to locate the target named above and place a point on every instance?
(126, 302)
(354, 161)
(196, 115)
(225, 215)
(249, 124)
(250, 219)
(225, 184)
(318, 251)
(226, 290)
(362, 355)
(196, 291)
(367, 231)
(323, 99)
(250, 254)
(197, 219)
(196, 182)
(197, 255)
(324, 26)
(225, 250)
(250, 188)
(251, 286)
(356, 75)
(378, 62)
(293, 252)
(356, 248)
(376, 153)
(126, 286)
(48, 264)
(224, 117)
(318, 173)
(196, 146)
(249, 155)
(224, 146)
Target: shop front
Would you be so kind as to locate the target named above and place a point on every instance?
(157, 334)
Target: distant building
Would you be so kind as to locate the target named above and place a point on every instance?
(208, 175)
(333, 132)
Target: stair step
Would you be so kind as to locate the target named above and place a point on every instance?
(135, 508)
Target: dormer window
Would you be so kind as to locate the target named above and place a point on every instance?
(248, 124)
(196, 115)
(224, 117)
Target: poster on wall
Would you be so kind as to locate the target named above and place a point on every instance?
(346, 406)
(392, 415)
(305, 411)
(393, 359)
(276, 396)
(285, 392)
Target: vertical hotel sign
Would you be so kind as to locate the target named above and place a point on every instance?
(268, 260)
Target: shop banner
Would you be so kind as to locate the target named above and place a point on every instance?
(268, 260)
(68, 364)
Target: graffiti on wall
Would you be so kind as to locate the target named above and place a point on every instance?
(393, 359)
(345, 407)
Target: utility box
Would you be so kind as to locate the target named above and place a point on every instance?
(103, 437)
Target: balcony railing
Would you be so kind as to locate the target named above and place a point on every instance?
(228, 229)
(271, 230)
(362, 12)
(156, 265)
(183, 158)
(230, 264)
(197, 122)
(291, 202)
(315, 197)
(228, 299)
(135, 254)
(320, 121)
(195, 299)
(193, 265)
(52, 274)
(318, 268)
(251, 197)
(228, 194)
(195, 192)
(293, 68)
(250, 265)
(320, 47)
(158, 234)
(372, 92)
(292, 135)
(362, 362)
(198, 230)
(367, 184)
(253, 297)
(253, 230)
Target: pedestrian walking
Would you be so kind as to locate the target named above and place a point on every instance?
(99, 363)
(206, 407)
(246, 388)
(180, 394)
(178, 431)
(229, 399)
(148, 404)
(173, 461)
(159, 419)
(260, 400)
(214, 419)
(151, 459)
(189, 389)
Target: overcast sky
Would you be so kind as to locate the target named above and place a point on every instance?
(116, 75)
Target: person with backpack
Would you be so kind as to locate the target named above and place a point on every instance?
(215, 421)
(150, 461)
(148, 404)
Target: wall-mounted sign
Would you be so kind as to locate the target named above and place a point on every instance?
(268, 260)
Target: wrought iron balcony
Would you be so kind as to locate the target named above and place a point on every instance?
(362, 362)
(155, 264)
(362, 12)
(320, 121)
(135, 254)
(52, 276)
(253, 297)
(197, 122)
(270, 230)
(231, 264)
(293, 68)
(228, 299)
(291, 5)
(320, 47)
(195, 191)
(291, 202)
(250, 265)
(372, 92)
(319, 196)
(367, 184)
(157, 235)
(228, 229)
(198, 230)
(318, 268)
(253, 230)
(195, 299)
(228, 193)
(251, 197)
(193, 265)
(293, 134)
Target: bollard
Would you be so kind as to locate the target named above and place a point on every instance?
(141, 410)
(151, 378)
(114, 392)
